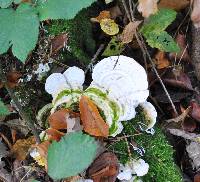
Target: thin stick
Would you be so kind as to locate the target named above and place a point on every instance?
(159, 78)
(22, 113)
(126, 9)
(93, 60)
(131, 9)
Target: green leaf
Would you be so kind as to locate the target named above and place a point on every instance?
(159, 21)
(162, 41)
(5, 3)
(19, 29)
(3, 109)
(73, 154)
(61, 9)
(153, 31)
(114, 47)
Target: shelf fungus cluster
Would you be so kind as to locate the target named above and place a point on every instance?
(119, 85)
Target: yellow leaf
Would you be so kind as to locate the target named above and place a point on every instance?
(147, 7)
(109, 26)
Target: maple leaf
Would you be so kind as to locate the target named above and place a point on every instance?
(92, 121)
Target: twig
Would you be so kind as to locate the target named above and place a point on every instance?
(93, 60)
(131, 9)
(22, 113)
(126, 9)
(156, 72)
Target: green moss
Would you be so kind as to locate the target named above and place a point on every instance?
(158, 152)
(79, 29)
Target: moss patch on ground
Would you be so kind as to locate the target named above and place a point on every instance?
(79, 29)
(158, 152)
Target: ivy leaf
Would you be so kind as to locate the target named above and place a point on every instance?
(73, 154)
(61, 9)
(3, 109)
(114, 47)
(5, 3)
(162, 41)
(19, 29)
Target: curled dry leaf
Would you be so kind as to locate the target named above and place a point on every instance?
(161, 61)
(54, 134)
(129, 31)
(183, 54)
(109, 26)
(91, 120)
(173, 4)
(58, 119)
(104, 168)
(102, 15)
(195, 112)
(21, 148)
(58, 42)
(147, 7)
(195, 16)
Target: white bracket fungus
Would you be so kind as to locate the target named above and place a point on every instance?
(119, 85)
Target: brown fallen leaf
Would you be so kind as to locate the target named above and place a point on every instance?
(195, 16)
(161, 61)
(12, 79)
(91, 119)
(183, 54)
(147, 7)
(129, 31)
(58, 119)
(189, 125)
(102, 15)
(58, 42)
(173, 4)
(21, 147)
(180, 80)
(115, 12)
(104, 168)
(195, 111)
(54, 134)
(197, 177)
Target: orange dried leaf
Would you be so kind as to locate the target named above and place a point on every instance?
(21, 147)
(147, 7)
(91, 119)
(58, 119)
(161, 60)
(54, 134)
(102, 15)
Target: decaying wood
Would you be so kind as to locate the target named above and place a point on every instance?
(195, 50)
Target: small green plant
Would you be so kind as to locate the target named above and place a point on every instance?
(73, 154)
(3, 109)
(20, 27)
(154, 31)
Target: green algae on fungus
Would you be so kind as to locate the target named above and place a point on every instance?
(79, 29)
(158, 152)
